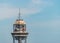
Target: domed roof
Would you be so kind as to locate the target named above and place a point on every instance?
(20, 22)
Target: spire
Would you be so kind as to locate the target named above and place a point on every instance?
(19, 14)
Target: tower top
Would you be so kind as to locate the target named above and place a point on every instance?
(19, 20)
(19, 30)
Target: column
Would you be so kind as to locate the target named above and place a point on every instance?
(25, 40)
(13, 39)
(19, 40)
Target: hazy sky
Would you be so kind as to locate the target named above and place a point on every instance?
(41, 16)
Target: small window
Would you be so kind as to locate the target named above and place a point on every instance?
(18, 26)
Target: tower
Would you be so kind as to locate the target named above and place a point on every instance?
(19, 30)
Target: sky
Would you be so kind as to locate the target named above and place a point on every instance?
(42, 18)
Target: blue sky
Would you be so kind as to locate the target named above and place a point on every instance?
(41, 16)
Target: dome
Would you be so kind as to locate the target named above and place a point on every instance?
(20, 22)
